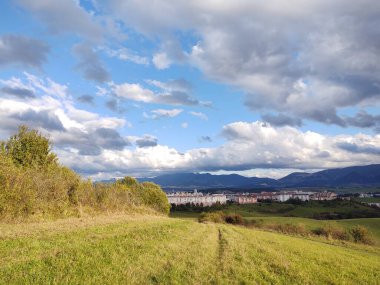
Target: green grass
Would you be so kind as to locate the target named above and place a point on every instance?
(369, 200)
(159, 250)
(307, 210)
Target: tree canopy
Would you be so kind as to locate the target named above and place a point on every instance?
(29, 148)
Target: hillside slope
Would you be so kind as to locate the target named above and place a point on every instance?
(157, 250)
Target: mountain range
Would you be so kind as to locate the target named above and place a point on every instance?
(354, 176)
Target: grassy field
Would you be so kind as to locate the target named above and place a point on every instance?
(281, 213)
(158, 250)
(307, 210)
(372, 224)
(369, 200)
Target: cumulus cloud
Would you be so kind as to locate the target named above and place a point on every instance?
(52, 111)
(44, 118)
(248, 146)
(90, 64)
(364, 120)
(309, 71)
(92, 142)
(18, 92)
(64, 16)
(22, 50)
(357, 148)
(146, 141)
(161, 60)
(282, 120)
(174, 92)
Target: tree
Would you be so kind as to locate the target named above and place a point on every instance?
(29, 148)
(153, 196)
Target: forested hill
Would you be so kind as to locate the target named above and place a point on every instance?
(355, 176)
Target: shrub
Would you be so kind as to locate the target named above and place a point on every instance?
(213, 217)
(153, 196)
(360, 234)
(332, 231)
(235, 219)
(254, 223)
(293, 229)
(32, 183)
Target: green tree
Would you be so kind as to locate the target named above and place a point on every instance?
(29, 148)
(153, 196)
(129, 181)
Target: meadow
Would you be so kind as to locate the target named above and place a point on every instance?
(125, 249)
(57, 228)
(269, 214)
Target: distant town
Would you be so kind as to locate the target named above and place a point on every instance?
(208, 199)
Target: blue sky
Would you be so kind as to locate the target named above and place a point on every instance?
(141, 88)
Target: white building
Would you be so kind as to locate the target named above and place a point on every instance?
(244, 198)
(303, 196)
(181, 198)
(284, 196)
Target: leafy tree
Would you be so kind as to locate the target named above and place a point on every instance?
(129, 181)
(153, 196)
(29, 148)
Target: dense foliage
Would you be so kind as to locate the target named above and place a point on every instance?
(33, 183)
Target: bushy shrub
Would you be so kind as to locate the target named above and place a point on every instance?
(288, 228)
(235, 219)
(213, 217)
(360, 234)
(332, 231)
(152, 195)
(32, 183)
(254, 223)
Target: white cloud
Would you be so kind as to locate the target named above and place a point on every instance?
(161, 60)
(185, 125)
(199, 115)
(52, 110)
(133, 92)
(127, 55)
(309, 71)
(64, 16)
(162, 113)
(249, 146)
(174, 92)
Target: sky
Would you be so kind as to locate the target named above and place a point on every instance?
(142, 88)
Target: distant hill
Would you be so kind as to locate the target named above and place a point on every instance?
(355, 176)
(207, 180)
(368, 175)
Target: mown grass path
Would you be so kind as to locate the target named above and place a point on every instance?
(157, 250)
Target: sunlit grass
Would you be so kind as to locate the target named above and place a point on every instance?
(158, 250)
